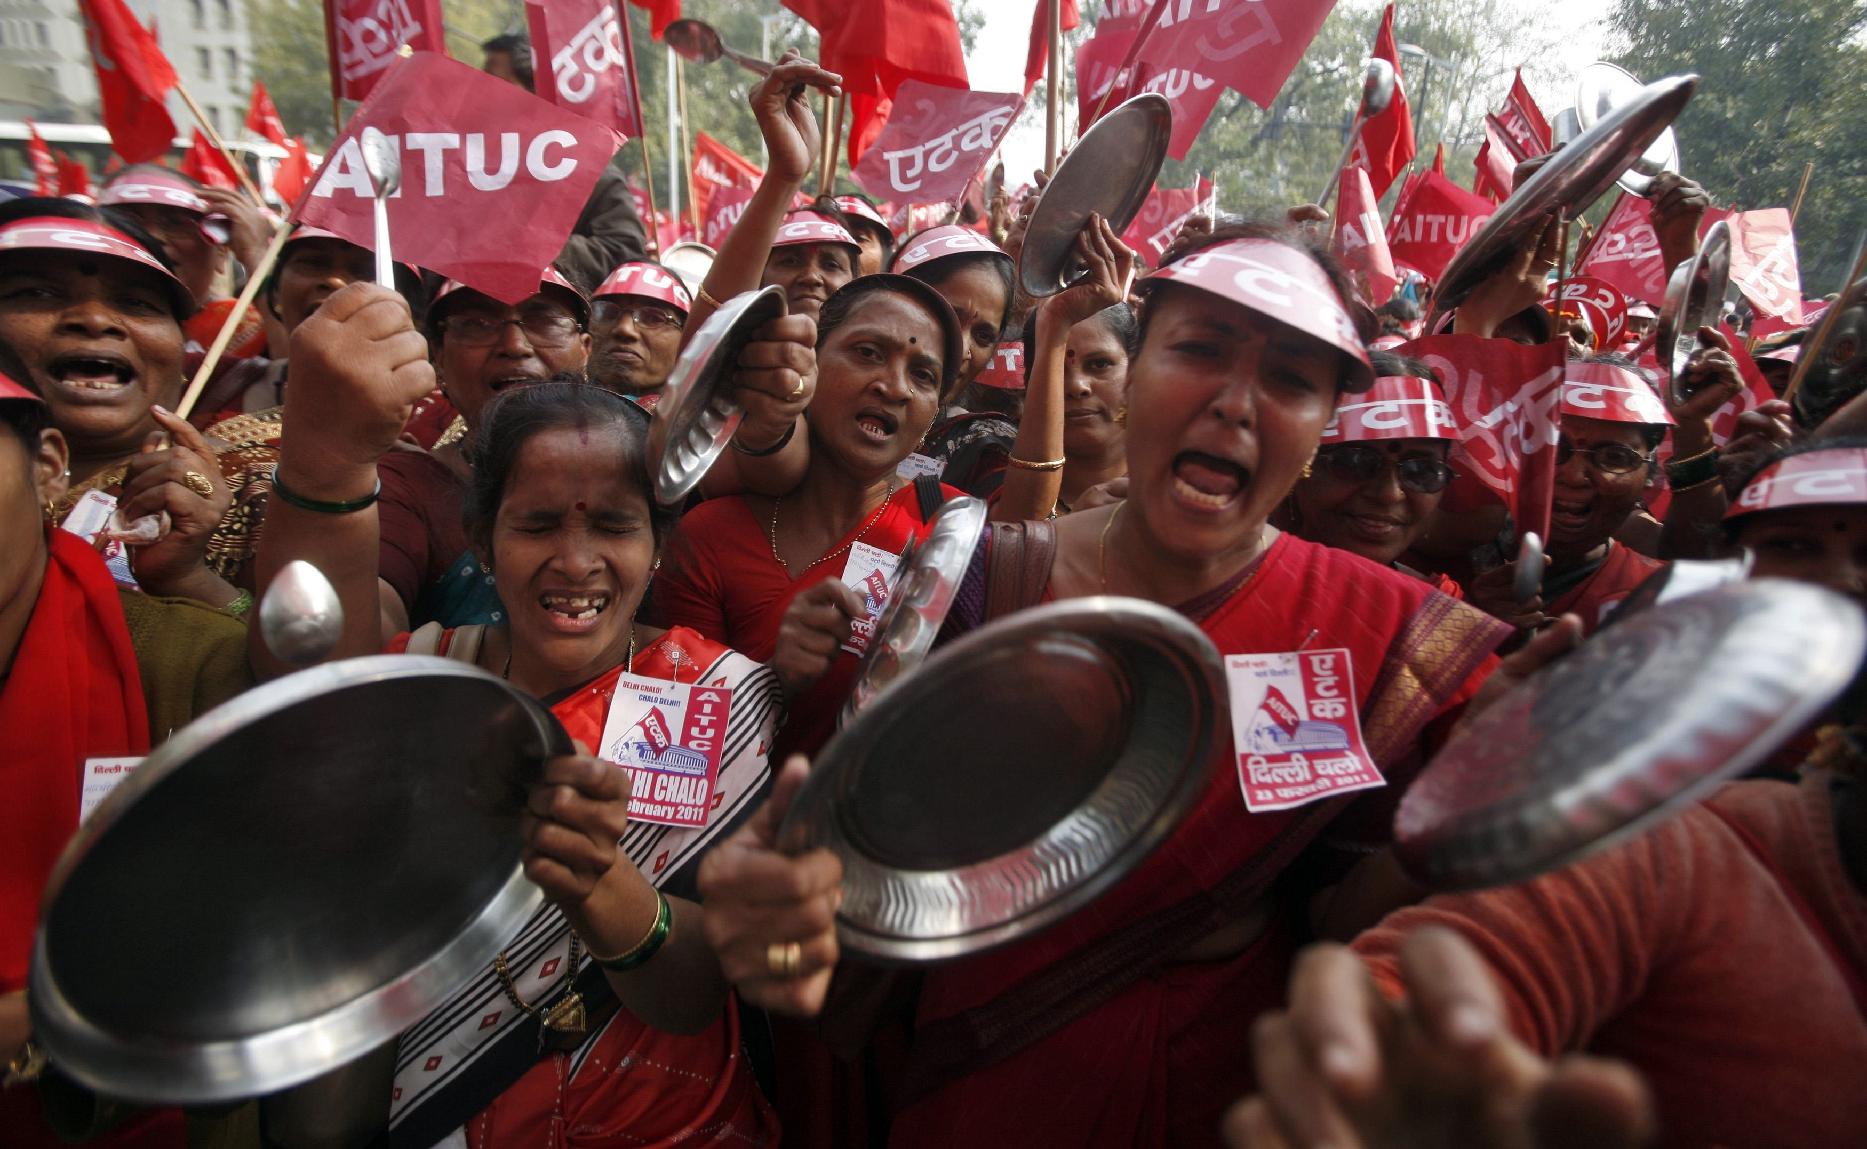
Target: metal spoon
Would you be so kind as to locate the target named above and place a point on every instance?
(700, 42)
(300, 617)
(383, 163)
(1530, 564)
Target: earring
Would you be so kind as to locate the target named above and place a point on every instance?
(1309, 466)
(1121, 416)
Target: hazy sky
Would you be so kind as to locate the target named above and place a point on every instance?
(997, 64)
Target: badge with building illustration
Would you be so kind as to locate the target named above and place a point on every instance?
(1295, 728)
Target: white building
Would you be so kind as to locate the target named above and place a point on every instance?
(46, 72)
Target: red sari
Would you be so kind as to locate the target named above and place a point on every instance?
(1163, 1054)
(1595, 598)
(74, 692)
(719, 577)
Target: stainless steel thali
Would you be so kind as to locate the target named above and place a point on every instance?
(701, 413)
(1109, 171)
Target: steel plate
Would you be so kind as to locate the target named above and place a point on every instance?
(700, 411)
(1694, 297)
(1641, 720)
(1600, 89)
(1024, 770)
(1573, 178)
(919, 596)
(290, 881)
(1110, 171)
(690, 261)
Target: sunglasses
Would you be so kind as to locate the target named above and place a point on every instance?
(1608, 458)
(1364, 464)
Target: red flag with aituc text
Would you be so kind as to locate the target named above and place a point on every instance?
(474, 149)
(1099, 62)
(1278, 708)
(1433, 218)
(1360, 241)
(717, 166)
(44, 167)
(936, 140)
(205, 164)
(1190, 96)
(1626, 251)
(1037, 56)
(1524, 129)
(1250, 46)
(1507, 398)
(1162, 214)
(134, 79)
(1385, 146)
(74, 179)
(262, 116)
(724, 208)
(875, 45)
(364, 37)
(293, 173)
(580, 52)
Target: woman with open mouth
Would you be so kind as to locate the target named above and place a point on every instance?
(96, 314)
(1126, 1019)
(1381, 469)
(613, 971)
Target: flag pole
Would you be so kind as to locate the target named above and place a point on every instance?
(825, 133)
(255, 279)
(1808, 169)
(1053, 84)
(213, 137)
(1127, 61)
(687, 141)
(836, 141)
(653, 228)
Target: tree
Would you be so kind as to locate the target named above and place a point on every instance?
(1779, 86)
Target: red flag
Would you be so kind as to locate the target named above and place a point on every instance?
(133, 80)
(724, 208)
(935, 141)
(205, 164)
(1525, 128)
(1250, 46)
(718, 166)
(1161, 216)
(262, 116)
(74, 179)
(1496, 169)
(661, 13)
(1432, 220)
(365, 36)
(1508, 400)
(1278, 708)
(1626, 252)
(1037, 56)
(877, 44)
(475, 149)
(1439, 160)
(1385, 145)
(293, 173)
(1763, 262)
(1099, 64)
(1191, 96)
(1360, 241)
(654, 728)
(44, 167)
(588, 55)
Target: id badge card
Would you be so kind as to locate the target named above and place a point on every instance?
(668, 736)
(101, 776)
(918, 465)
(1295, 729)
(867, 573)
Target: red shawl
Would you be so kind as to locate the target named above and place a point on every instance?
(74, 693)
(1159, 1059)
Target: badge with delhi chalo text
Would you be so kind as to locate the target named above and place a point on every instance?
(668, 736)
(1295, 729)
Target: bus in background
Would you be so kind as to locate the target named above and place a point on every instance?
(89, 144)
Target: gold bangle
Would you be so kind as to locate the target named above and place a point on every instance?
(1711, 450)
(1695, 486)
(701, 295)
(1028, 465)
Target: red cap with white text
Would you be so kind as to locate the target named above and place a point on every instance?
(56, 233)
(1595, 390)
(650, 281)
(1396, 407)
(1825, 477)
(937, 243)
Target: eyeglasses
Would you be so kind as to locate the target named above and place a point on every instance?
(1362, 464)
(645, 316)
(1608, 458)
(541, 328)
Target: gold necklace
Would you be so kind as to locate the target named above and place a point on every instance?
(772, 533)
(1102, 547)
(564, 1023)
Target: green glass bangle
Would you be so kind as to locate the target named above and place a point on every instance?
(319, 506)
(650, 944)
(241, 604)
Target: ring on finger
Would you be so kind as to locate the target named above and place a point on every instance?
(795, 393)
(198, 483)
(784, 959)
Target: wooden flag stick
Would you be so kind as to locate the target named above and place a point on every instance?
(255, 279)
(836, 140)
(1795, 209)
(1812, 348)
(1053, 86)
(1128, 59)
(652, 226)
(687, 143)
(213, 137)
